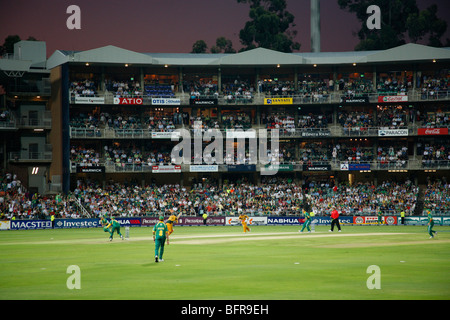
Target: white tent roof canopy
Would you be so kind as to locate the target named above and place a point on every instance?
(256, 57)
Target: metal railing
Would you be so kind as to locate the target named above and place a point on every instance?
(413, 95)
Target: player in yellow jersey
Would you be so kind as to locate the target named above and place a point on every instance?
(243, 218)
(172, 219)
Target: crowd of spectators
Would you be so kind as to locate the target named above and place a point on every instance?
(124, 88)
(438, 119)
(434, 154)
(16, 202)
(435, 87)
(364, 198)
(392, 118)
(273, 196)
(437, 196)
(393, 157)
(83, 88)
(355, 122)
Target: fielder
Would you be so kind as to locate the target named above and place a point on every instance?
(160, 235)
(307, 222)
(430, 224)
(243, 218)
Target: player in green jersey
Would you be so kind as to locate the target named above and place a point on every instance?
(160, 235)
(307, 222)
(115, 226)
(104, 222)
(430, 224)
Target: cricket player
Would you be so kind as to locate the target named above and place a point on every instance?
(430, 224)
(115, 226)
(172, 219)
(243, 218)
(380, 217)
(104, 222)
(307, 222)
(160, 235)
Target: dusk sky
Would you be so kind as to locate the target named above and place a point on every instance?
(170, 25)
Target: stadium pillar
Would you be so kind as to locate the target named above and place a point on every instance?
(180, 79)
(296, 79)
(315, 25)
(374, 76)
(141, 78)
(102, 84)
(219, 80)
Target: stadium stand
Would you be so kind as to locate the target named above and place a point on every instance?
(367, 133)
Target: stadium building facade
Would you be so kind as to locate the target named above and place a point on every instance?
(341, 116)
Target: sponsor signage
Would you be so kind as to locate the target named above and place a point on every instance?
(318, 167)
(355, 166)
(390, 220)
(129, 101)
(89, 100)
(195, 221)
(316, 133)
(5, 225)
(203, 102)
(236, 134)
(392, 132)
(392, 98)
(284, 220)
(76, 223)
(129, 222)
(204, 168)
(166, 169)
(355, 100)
(233, 221)
(94, 169)
(165, 135)
(432, 131)
(277, 167)
(271, 101)
(241, 167)
(166, 102)
(30, 224)
(149, 221)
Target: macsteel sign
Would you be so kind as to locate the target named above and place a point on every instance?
(30, 224)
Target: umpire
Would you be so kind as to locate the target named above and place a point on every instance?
(335, 220)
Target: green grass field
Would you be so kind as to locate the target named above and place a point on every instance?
(221, 263)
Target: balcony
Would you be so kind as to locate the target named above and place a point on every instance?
(413, 95)
(27, 156)
(412, 164)
(44, 121)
